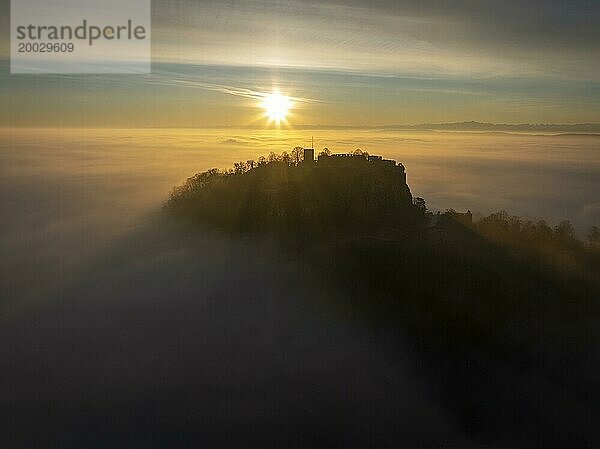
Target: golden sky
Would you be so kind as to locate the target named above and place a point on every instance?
(346, 63)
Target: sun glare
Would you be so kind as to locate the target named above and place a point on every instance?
(276, 106)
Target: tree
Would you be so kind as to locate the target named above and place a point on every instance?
(419, 203)
(297, 155)
(543, 231)
(594, 236)
(325, 152)
(240, 167)
(565, 230)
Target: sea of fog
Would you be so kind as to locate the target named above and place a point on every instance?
(118, 330)
(554, 177)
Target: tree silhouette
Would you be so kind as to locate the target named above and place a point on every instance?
(297, 155)
(593, 236)
(565, 229)
(420, 203)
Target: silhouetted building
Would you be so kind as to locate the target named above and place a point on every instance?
(465, 218)
(309, 155)
(350, 158)
(452, 218)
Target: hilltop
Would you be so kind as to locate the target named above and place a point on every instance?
(484, 304)
(292, 195)
(445, 274)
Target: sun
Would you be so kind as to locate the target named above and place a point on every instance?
(276, 106)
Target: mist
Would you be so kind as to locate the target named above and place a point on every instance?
(119, 327)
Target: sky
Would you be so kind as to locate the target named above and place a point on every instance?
(118, 288)
(346, 63)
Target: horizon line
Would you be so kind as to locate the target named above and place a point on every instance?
(593, 127)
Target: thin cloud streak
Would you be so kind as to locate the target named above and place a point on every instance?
(160, 79)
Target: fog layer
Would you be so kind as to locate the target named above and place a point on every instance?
(119, 329)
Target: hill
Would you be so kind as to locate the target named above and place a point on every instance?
(338, 194)
(484, 304)
(353, 219)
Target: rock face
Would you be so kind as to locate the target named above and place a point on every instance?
(334, 193)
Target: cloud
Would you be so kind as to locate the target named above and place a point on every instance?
(231, 141)
(434, 38)
(178, 81)
(113, 315)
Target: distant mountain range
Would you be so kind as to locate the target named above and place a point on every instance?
(578, 128)
(479, 126)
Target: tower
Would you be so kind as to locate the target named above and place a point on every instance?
(309, 155)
